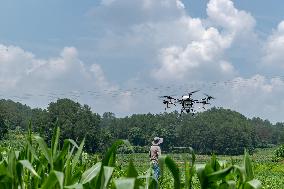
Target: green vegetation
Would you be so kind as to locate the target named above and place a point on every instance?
(279, 153)
(103, 160)
(54, 167)
(270, 173)
(217, 130)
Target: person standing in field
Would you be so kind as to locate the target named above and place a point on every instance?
(154, 153)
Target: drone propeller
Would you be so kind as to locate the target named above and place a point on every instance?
(208, 96)
(190, 93)
(168, 97)
(194, 91)
(203, 102)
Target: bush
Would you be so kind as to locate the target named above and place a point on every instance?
(279, 153)
(141, 149)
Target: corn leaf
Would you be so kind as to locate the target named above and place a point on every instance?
(127, 183)
(55, 140)
(74, 186)
(91, 173)
(107, 175)
(53, 178)
(78, 154)
(45, 150)
(253, 184)
(109, 159)
(248, 167)
(172, 166)
(131, 170)
(26, 164)
(218, 175)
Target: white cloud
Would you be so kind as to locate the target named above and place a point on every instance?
(194, 60)
(255, 96)
(273, 49)
(34, 81)
(175, 45)
(203, 57)
(58, 67)
(223, 13)
(227, 68)
(19, 67)
(99, 75)
(180, 4)
(14, 64)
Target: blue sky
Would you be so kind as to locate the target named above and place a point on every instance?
(120, 55)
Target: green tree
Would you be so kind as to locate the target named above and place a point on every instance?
(15, 114)
(76, 122)
(3, 128)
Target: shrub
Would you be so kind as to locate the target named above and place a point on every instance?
(279, 153)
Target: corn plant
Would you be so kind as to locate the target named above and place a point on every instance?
(40, 166)
(214, 174)
(62, 167)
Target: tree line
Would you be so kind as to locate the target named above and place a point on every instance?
(218, 130)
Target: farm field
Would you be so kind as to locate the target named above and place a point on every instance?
(270, 173)
(31, 164)
(47, 154)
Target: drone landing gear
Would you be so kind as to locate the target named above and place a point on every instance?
(187, 110)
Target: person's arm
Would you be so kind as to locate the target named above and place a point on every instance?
(159, 151)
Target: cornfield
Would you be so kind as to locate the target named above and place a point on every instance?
(62, 166)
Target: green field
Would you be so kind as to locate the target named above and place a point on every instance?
(271, 174)
(28, 162)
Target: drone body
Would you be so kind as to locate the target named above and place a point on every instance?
(187, 102)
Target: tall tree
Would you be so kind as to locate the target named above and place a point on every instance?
(3, 127)
(76, 122)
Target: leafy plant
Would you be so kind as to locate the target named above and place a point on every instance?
(37, 165)
(279, 153)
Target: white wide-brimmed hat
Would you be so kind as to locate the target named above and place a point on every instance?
(157, 141)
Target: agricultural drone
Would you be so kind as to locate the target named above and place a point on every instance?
(187, 102)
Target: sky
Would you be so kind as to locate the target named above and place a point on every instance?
(120, 55)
